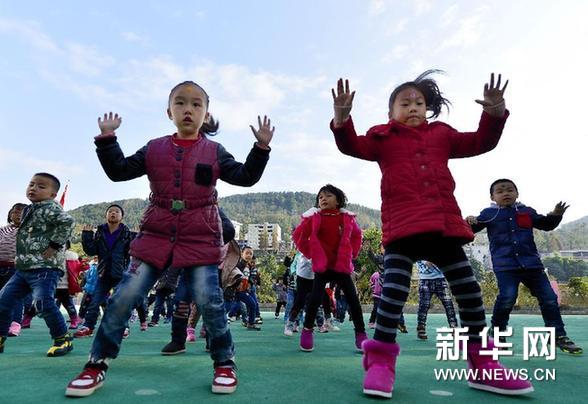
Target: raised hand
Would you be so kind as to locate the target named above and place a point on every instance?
(109, 123)
(88, 227)
(560, 208)
(471, 220)
(342, 101)
(493, 101)
(265, 133)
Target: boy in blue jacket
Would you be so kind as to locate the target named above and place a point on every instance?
(515, 258)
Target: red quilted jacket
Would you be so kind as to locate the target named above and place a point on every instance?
(417, 186)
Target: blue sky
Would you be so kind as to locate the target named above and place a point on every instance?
(65, 63)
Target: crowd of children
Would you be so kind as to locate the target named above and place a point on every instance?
(185, 252)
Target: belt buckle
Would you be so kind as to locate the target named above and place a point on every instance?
(177, 205)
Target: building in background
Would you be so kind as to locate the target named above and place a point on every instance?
(264, 236)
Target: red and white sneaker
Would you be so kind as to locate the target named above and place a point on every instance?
(86, 383)
(84, 332)
(224, 381)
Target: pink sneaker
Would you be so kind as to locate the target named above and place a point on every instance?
(485, 364)
(143, 326)
(191, 334)
(74, 322)
(379, 361)
(14, 330)
(306, 340)
(359, 338)
(26, 321)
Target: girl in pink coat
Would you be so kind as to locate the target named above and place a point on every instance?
(331, 238)
(420, 216)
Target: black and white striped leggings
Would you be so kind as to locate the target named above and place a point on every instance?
(445, 252)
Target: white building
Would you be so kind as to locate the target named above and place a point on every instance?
(257, 232)
(237, 227)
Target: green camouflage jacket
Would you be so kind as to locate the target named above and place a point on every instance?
(43, 224)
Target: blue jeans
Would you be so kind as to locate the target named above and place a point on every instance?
(42, 283)
(253, 294)
(103, 286)
(162, 298)
(202, 283)
(289, 303)
(5, 275)
(249, 303)
(539, 286)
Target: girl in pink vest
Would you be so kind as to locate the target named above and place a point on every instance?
(181, 227)
(420, 216)
(330, 237)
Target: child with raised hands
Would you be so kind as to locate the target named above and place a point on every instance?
(180, 228)
(515, 258)
(420, 216)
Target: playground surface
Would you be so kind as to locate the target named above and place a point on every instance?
(272, 369)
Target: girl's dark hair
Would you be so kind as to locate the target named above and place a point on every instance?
(430, 90)
(340, 195)
(209, 127)
(502, 180)
(15, 206)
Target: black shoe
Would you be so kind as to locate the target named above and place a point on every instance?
(568, 346)
(2, 340)
(153, 324)
(403, 328)
(253, 327)
(422, 333)
(173, 348)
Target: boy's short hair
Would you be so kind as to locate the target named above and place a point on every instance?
(502, 180)
(339, 195)
(54, 180)
(114, 205)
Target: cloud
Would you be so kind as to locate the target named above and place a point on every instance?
(133, 37)
(30, 32)
(468, 32)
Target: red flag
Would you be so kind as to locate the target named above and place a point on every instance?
(62, 199)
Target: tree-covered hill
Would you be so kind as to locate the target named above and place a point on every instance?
(283, 208)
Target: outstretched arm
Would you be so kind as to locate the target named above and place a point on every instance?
(552, 219)
(248, 173)
(116, 166)
(342, 125)
(467, 144)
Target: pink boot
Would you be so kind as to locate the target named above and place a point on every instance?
(379, 361)
(191, 334)
(359, 338)
(14, 330)
(486, 366)
(306, 340)
(74, 322)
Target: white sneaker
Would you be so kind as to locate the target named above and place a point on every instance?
(331, 326)
(288, 329)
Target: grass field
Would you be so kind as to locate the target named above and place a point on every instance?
(272, 369)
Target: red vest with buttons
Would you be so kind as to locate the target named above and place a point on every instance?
(182, 237)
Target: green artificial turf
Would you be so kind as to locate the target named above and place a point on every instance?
(272, 369)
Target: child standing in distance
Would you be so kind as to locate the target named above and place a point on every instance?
(330, 237)
(180, 228)
(515, 258)
(40, 261)
(420, 216)
(7, 254)
(432, 282)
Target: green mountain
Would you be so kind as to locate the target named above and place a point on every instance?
(283, 208)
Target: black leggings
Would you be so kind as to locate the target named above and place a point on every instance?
(303, 289)
(345, 282)
(445, 252)
(63, 297)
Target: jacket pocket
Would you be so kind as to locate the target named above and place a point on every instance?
(203, 174)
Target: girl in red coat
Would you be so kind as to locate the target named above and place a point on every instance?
(331, 238)
(181, 227)
(420, 216)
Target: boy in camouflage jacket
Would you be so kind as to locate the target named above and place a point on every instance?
(40, 261)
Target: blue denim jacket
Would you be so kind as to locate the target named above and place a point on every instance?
(510, 232)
